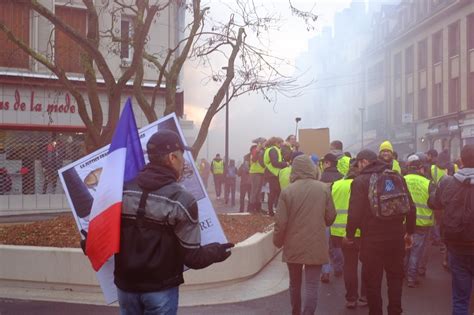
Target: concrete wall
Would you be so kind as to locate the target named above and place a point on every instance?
(68, 266)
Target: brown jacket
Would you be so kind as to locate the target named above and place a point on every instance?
(304, 210)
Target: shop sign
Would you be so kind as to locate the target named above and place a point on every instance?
(30, 104)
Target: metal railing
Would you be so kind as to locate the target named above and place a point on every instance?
(29, 161)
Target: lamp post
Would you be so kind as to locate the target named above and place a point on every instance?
(297, 120)
(361, 109)
(226, 158)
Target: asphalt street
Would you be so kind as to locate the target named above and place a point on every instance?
(432, 297)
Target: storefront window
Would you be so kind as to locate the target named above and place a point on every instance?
(29, 160)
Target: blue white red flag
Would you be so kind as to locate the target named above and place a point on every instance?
(124, 160)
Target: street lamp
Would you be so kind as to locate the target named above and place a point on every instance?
(226, 158)
(297, 120)
(361, 109)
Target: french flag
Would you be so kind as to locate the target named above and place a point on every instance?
(124, 160)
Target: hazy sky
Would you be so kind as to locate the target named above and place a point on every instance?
(251, 116)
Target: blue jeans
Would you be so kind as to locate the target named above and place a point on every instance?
(462, 273)
(149, 303)
(414, 255)
(335, 256)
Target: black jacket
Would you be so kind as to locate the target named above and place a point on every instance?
(445, 192)
(330, 175)
(157, 242)
(360, 215)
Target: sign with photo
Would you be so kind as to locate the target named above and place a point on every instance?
(80, 180)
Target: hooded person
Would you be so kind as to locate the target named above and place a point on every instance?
(386, 154)
(455, 196)
(304, 211)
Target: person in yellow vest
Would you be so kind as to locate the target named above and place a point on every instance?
(386, 155)
(442, 167)
(341, 192)
(343, 161)
(256, 171)
(284, 173)
(204, 170)
(273, 160)
(420, 188)
(217, 170)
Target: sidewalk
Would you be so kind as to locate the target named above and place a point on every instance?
(272, 279)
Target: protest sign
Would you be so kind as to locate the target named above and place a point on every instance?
(80, 180)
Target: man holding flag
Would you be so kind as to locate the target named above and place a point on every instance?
(144, 217)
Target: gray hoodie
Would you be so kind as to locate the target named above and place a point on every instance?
(465, 174)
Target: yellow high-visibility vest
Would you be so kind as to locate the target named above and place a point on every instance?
(218, 167)
(256, 168)
(419, 190)
(284, 177)
(437, 173)
(396, 167)
(268, 163)
(341, 193)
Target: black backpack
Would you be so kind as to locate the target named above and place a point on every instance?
(458, 215)
(388, 196)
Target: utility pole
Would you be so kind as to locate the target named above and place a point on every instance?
(297, 120)
(226, 158)
(361, 109)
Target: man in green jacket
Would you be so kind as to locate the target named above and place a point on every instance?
(304, 211)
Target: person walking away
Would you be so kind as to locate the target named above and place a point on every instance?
(420, 188)
(386, 155)
(441, 168)
(341, 192)
(455, 195)
(330, 175)
(217, 170)
(381, 207)
(160, 233)
(343, 162)
(245, 183)
(204, 171)
(431, 158)
(305, 209)
(230, 181)
(273, 160)
(257, 169)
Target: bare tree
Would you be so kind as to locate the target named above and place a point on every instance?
(93, 61)
(250, 67)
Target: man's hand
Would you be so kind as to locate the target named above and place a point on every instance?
(408, 241)
(224, 251)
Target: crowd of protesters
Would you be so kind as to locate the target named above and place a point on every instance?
(336, 213)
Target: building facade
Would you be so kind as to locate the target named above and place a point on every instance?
(38, 117)
(420, 75)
